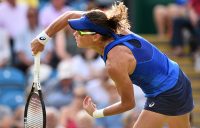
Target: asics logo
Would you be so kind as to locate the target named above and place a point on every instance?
(151, 104)
(42, 38)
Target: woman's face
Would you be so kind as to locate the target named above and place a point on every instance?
(84, 41)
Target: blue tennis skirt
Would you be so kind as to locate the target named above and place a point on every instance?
(173, 102)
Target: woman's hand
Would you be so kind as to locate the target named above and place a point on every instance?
(36, 46)
(88, 105)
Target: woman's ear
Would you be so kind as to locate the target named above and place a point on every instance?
(96, 37)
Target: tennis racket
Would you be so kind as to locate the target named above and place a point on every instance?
(35, 113)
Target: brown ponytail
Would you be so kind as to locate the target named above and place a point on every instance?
(118, 17)
(115, 19)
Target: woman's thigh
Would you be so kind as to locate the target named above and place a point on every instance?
(182, 121)
(149, 119)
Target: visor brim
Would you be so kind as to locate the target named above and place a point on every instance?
(77, 24)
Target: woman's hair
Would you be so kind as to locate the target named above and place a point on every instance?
(115, 19)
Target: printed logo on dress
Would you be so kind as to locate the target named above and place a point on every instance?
(151, 104)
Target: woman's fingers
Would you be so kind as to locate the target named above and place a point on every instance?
(88, 102)
(94, 105)
(88, 105)
(36, 47)
(85, 101)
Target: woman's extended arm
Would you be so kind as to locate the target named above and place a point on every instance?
(60, 23)
(120, 64)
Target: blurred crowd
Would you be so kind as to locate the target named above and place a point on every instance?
(180, 22)
(68, 74)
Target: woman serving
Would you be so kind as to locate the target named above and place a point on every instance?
(130, 59)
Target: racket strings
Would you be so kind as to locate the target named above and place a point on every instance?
(35, 113)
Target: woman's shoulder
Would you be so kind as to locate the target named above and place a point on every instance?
(120, 54)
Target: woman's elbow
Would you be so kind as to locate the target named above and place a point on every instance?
(130, 106)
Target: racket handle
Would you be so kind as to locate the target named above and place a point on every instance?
(37, 68)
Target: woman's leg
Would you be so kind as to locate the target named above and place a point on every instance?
(182, 121)
(148, 119)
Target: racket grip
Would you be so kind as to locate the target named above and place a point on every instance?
(37, 68)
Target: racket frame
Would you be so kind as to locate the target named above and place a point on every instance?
(36, 88)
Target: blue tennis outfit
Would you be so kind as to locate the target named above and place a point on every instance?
(154, 72)
(167, 88)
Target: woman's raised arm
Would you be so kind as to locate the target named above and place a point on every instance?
(38, 43)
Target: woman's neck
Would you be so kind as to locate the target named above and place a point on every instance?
(101, 46)
(99, 49)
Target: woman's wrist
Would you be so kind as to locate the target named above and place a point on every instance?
(98, 113)
(43, 38)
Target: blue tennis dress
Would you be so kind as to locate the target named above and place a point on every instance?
(155, 72)
(167, 88)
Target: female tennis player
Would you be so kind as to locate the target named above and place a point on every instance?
(129, 59)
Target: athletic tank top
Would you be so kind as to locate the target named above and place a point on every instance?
(155, 72)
